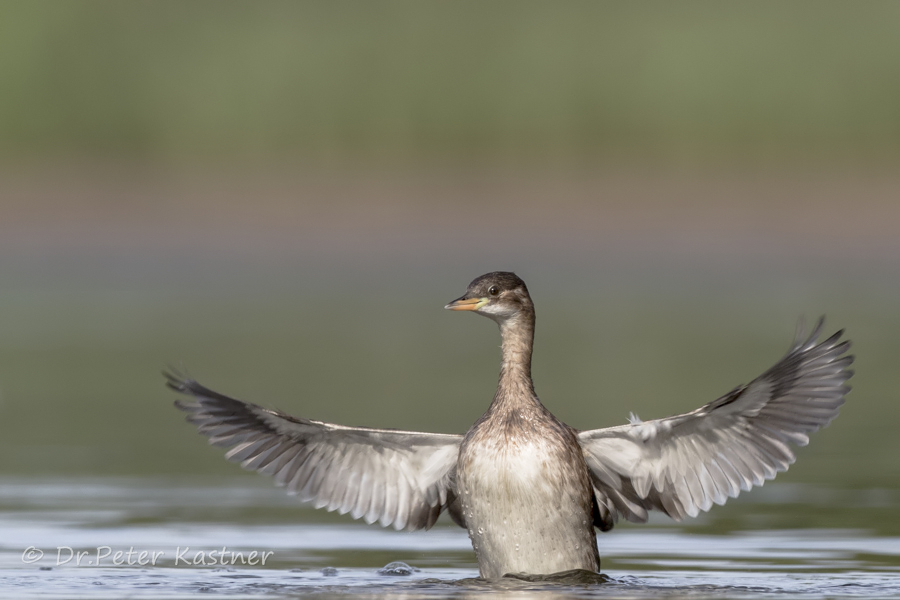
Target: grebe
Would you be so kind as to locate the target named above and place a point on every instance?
(529, 488)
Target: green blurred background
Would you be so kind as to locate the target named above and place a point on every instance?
(280, 197)
(402, 83)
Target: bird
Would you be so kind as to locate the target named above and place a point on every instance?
(531, 490)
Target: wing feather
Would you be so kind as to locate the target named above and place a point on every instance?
(684, 464)
(398, 478)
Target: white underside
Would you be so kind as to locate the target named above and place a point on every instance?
(523, 514)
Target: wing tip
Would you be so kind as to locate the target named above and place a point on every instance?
(179, 380)
(801, 339)
(183, 383)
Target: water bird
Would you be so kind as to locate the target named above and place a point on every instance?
(529, 489)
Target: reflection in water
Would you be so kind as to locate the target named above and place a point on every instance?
(573, 577)
(109, 523)
(112, 583)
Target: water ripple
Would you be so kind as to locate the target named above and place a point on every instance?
(46, 526)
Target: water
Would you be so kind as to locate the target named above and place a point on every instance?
(178, 538)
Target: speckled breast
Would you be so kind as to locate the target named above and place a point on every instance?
(526, 497)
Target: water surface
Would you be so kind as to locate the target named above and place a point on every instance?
(180, 538)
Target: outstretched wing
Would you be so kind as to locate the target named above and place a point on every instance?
(683, 464)
(397, 478)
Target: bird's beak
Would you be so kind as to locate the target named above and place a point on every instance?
(467, 303)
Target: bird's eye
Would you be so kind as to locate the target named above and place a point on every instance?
(494, 290)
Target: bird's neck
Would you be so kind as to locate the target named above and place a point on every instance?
(515, 386)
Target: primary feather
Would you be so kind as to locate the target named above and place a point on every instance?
(402, 479)
(684, 464)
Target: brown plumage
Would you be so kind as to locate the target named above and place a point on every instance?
(528, 487)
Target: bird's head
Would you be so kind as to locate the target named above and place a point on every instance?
(499, 295)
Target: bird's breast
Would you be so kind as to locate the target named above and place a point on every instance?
(527, 500)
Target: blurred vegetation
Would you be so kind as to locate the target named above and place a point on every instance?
(393, 82)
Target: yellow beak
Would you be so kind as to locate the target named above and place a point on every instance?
(467, 304)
